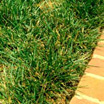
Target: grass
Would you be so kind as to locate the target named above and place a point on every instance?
(45, 45)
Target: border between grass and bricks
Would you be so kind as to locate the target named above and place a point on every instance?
(83, 94)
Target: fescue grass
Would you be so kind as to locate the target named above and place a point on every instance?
(45, 46)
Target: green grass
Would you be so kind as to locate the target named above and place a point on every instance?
(44, 47)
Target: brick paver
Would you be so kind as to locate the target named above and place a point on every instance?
(95, 70)
(96, 66)
(81, 101)
(96, 62)
(99, 50)
(102, 36)
(91, 86)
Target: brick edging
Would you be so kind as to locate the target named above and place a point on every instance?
(90, 88)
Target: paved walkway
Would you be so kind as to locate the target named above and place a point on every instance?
(91, 87)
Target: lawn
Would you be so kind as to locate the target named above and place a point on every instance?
(45, 46)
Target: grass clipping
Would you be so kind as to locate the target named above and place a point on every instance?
(45, 46)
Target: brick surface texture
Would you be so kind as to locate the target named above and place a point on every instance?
(91, 84)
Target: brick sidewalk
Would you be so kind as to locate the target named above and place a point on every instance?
(91, 87)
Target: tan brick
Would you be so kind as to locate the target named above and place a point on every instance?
(96, 71)
(102, 36)
(99, 51)
(92, 87)
(75, 100)
(96, 67)
(98, 63)
(101, 42)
